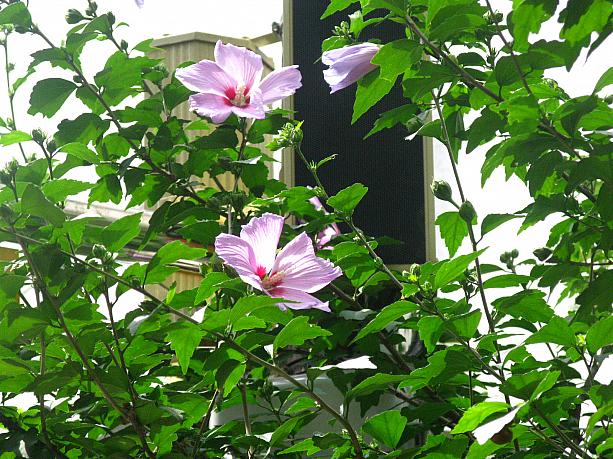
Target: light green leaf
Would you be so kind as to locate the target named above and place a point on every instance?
(386, 427)
(209, 285)
(466, 324)
(506, 280)
(229, 374)
(600, 334)
(296, 332)
(49, 95)
(475, 415)
(336, 5)
(59, 190)
(120, 232)
(371, 89)
(184, 339)
(16, 14)
(347, 199)
(453, 230)
(556, 331)
(493, 221)
(14, 137)
(380, 381)
(527, 17)
(79, 150)
(173, 252)
(33, 202)
(453, 268)
(387, 315)
(605, 80)
(430, 330)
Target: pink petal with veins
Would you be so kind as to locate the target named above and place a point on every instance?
(262, 234)
(239, 254)
(280, 84)
(243, 64)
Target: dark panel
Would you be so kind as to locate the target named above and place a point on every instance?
(389, 166)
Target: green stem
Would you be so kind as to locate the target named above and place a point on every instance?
(10, 93)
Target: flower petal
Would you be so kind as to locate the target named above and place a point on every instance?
(205, 76)
(280, 84)
(242, 64)
(301, 268)
(262, 234)
(348, 64)
(212, 105)
(301, 300)
(239, 255)
(254, 109)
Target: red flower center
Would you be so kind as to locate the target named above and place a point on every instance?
(239, 96)
(261, 272)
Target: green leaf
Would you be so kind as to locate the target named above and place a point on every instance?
(33, 202)
(209, 285)
(336, 5)
(581, 18)
(555, 331)
(346, 200)
(430, 330)
(229, 374)
(184, 339)
(59, 190)
(493, 221)
(395, 57)
(386, 427)
(78, 150)
(442, 365)
(605, 80)
(16, 14)
(475, 415)
(371, 89)
(527, 17)
(10, 284)
(120, 232)
(202, 232)
(387, 315)
(14, 137)
(173, 252)
(466, 325)
(49, 95)
(296, 332)
(547, 382)
(453, 230)
(451, 269)
(375, 383)
(507, 280)
(528, 304)
(600, 334)
(393, 117)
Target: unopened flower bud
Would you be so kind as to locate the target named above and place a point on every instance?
(289, 136)
(442, 190)
(74, 16)
(467, 212)
(39, 136)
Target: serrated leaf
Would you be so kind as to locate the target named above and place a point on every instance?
(387, 315)
(347, 199)
(78, 150)
(120, 232)
(430, 329)
(371, 89)
(35, 203)
(451, 269)
(296, 332)
(475, 415)
(555, 331)
(49, 95)
(58, 190)
(600, 334)
(380, 381)
(184, 339)
(173, 252)
(386, 427)
(453, 230)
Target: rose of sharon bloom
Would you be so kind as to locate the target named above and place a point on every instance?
(232, 84)
(140, 3)
(348, 64)
(329, 232)
(291, 274)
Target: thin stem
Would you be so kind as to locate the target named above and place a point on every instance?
(10, 93)
(204, 425)
(237, 177)
(246, 419)
(567, 441)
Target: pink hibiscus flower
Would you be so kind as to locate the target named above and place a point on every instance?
(232, 84)
(140, 3)
(291, 274)
(329, 232)
(348, 64)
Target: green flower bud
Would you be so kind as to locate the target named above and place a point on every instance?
(289, 136)
(74, 16)
(39, 136)
(467, 212)
(442, 190)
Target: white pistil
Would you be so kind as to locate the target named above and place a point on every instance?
(240, 99)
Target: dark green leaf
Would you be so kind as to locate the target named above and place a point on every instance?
(184, 339)
(453, 230)
(16, 14)
(493, 221)
(371, 89)
(49, 95)
(296, 332)
(120, 232)
(555, 331)
(346, 200)
(451, 269)
(600, 334)
(33, 202)
(336, 5)
(375, 383)
(387, 315)
(430, 330)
